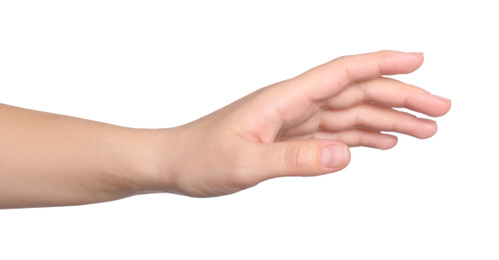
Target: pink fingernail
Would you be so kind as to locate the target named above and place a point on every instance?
(333, 156)
(442, 98)
(427, 120)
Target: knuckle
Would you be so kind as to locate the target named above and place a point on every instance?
(296, 157)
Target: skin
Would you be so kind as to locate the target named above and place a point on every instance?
(302, 126)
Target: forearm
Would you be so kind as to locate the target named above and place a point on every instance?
(54, 160)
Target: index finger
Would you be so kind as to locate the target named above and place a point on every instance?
(329, 79)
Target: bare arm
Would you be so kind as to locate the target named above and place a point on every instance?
(50, 160)
(303, 126)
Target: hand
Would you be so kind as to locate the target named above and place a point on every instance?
(301, 126)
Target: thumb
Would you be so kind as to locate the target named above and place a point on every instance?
(301, 158)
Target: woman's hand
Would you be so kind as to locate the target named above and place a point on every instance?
(299, 127)
(302, 126)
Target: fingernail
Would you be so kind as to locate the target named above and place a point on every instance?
(442, 98)
(427, 120)
(333, 156)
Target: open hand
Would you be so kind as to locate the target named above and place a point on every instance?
(302, 126)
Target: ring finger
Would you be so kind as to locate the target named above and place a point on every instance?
(377, 118)
(390, 93)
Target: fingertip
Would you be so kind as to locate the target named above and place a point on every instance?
(389, 142)
(420, 57)
(435, 106)
(428, 129)
(444, 105)
(398, 62)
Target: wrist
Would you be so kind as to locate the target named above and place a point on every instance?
(144, 161)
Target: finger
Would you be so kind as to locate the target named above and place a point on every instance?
(378, 119)
(299, 158)
(360, 137)
(331, 78)
(391, 93)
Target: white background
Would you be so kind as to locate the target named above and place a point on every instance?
(164, 63)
